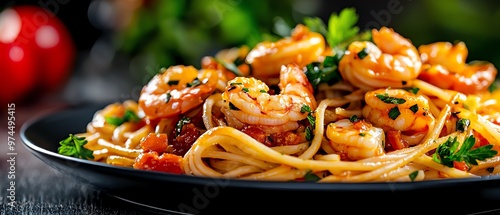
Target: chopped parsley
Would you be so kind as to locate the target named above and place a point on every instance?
(173, 82)
(326, 72)
(310, 176)
(311, 119)
(353, 118)
(413, 90)
(414, 108)
(389, 99)
(73, 146)
(168, 97)
(394, 113)
(462, 124)
(178, 127)
(129, 116)
(363, 53)
(413, 175)
(194, 83)
(449, 151)
(232, 67)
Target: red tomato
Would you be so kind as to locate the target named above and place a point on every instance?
(17, 65)
(47, 45)
(166, 162)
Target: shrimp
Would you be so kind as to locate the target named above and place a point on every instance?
(355, 140)
(302, 47)
(249, 101)
(176, 90)
(445, 61)
(390, 61)
(399, 110)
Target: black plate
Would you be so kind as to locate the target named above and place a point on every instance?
(195, 195)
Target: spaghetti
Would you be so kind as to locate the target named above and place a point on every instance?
(385, 114)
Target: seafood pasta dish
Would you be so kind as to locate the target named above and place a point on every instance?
(368, 107)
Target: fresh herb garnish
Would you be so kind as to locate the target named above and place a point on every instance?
(414, 108)
(389, 99)
(128, 116)
(342, 26)
(413, 90)
(353, 118)
(447, 152)
(326, 72)
(394, 113)
(363, 53)
(73, 146)
(178, 127)
(413, 175)
(232, 67)
(194, 83)
(173, 82)
(463, 124)
(310, 176)
(311, 119)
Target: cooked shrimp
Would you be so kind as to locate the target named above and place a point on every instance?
(391, 61)
(445, 61)
(302, 47)
(400, 110)
(355, 140)
(177, 90)
(249, 100)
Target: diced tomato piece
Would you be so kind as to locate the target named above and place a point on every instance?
(166, 162)
(155, 142)
(460, 165)
(480, 140)
(395, 141)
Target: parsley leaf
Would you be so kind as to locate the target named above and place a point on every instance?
(326, 72)
(178, 127)
(232, 67)
(462, 124)
(129, 116)
(342, 26)
(394, 113)
(73, 146)
(389, 99)
(413, 175)
(447, 152)
(310, 176)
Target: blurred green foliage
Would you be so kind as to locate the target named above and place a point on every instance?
(474, 22)
(169, 32)
(164, 33)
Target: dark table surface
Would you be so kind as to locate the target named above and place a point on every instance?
(39, 189)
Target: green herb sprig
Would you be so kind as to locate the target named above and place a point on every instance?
(73, 146)
(448, 152)
(129, 116)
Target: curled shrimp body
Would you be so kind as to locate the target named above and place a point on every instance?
(398, 110)
(390, 61)
(355, 140)
(446, 61)
(176, 90)
(302, 47)
(249, 100)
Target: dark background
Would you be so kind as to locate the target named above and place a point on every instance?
(115, 60)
